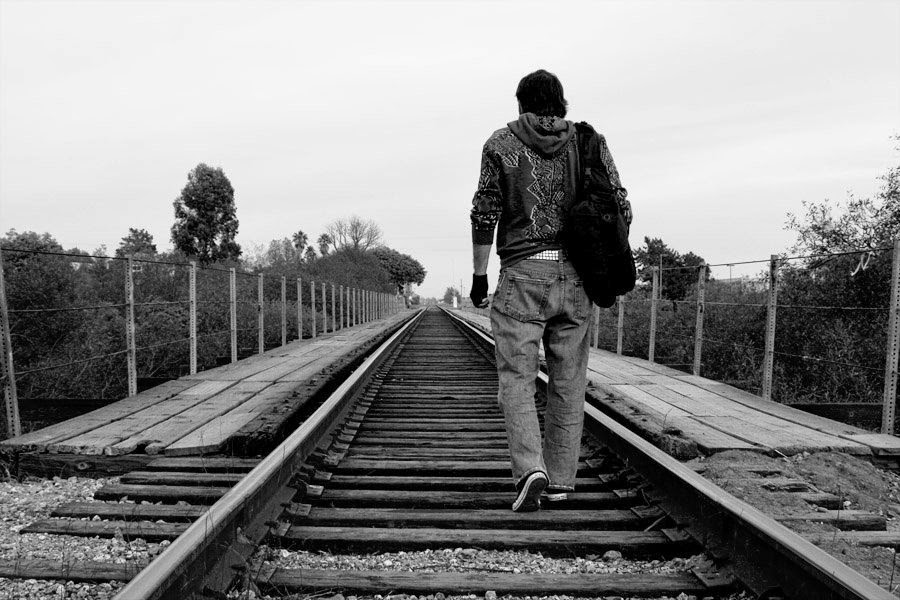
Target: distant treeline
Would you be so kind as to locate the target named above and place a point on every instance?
(67, 308)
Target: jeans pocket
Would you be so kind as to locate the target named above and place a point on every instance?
(581, 308)
(521, 297)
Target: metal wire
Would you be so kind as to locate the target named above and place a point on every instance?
(69, 364)
(737, 304)
(135, 259)
(160, 344)
(148, 261)
(784, 258)
(162, 303)
(679, 268)
(53, 253)
(732, 343)
(73, 308)
(780, 258)
(826, 360)
(205, 335)
(812, 306)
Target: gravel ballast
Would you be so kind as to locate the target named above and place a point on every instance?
(22, 503)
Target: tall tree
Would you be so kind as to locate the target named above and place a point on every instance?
(205, 217)
(300, 240)
(138, 243)
(859, 223)
(282, 252)
(354, 234)
(403, 269)
(310, 254)
(449, 294)
(679, 272)
(325, 242)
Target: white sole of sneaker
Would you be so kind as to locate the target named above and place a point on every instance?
(555, 496)
(530, 494)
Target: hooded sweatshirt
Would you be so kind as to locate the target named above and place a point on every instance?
(526, 185)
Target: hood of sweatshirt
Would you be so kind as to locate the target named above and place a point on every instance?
(544, 135)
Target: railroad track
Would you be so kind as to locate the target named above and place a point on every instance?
(409, 454)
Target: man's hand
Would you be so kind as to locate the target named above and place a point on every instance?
(479, 291)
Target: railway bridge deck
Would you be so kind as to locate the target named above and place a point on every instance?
(690, 416)
(243, 408)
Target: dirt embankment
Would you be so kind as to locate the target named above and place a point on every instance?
(861, 485)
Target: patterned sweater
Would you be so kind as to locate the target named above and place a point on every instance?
(527, 184)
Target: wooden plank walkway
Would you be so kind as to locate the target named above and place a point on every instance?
(204, 413)
(690, 416)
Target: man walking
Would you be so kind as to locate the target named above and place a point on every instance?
(527, 183)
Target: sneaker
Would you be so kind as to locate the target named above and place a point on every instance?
(554, 496)
(528, 498)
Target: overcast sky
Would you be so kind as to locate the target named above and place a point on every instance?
(721, 116)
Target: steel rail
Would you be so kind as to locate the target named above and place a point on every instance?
(180, 570)
(764, 554)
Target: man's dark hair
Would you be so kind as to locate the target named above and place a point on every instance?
(541, 93)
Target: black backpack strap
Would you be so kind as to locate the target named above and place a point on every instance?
(583, 135)
(591, 168)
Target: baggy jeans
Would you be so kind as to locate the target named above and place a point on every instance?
(535, 301)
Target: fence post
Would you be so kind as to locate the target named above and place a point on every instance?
(698, 328)
(324, 310)
(12, 425)
(620, 325)
(355, 309)
(654, 300)
(333, 312)
(769, 359)
(312, 307)
(232, 309)
(283, 310)
(192, 298)
(129, 327)
(299, 309)
(893, 347)
(595, 320)
(342, 319)
(260, 318)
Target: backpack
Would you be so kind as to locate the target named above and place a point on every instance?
(595, 233)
